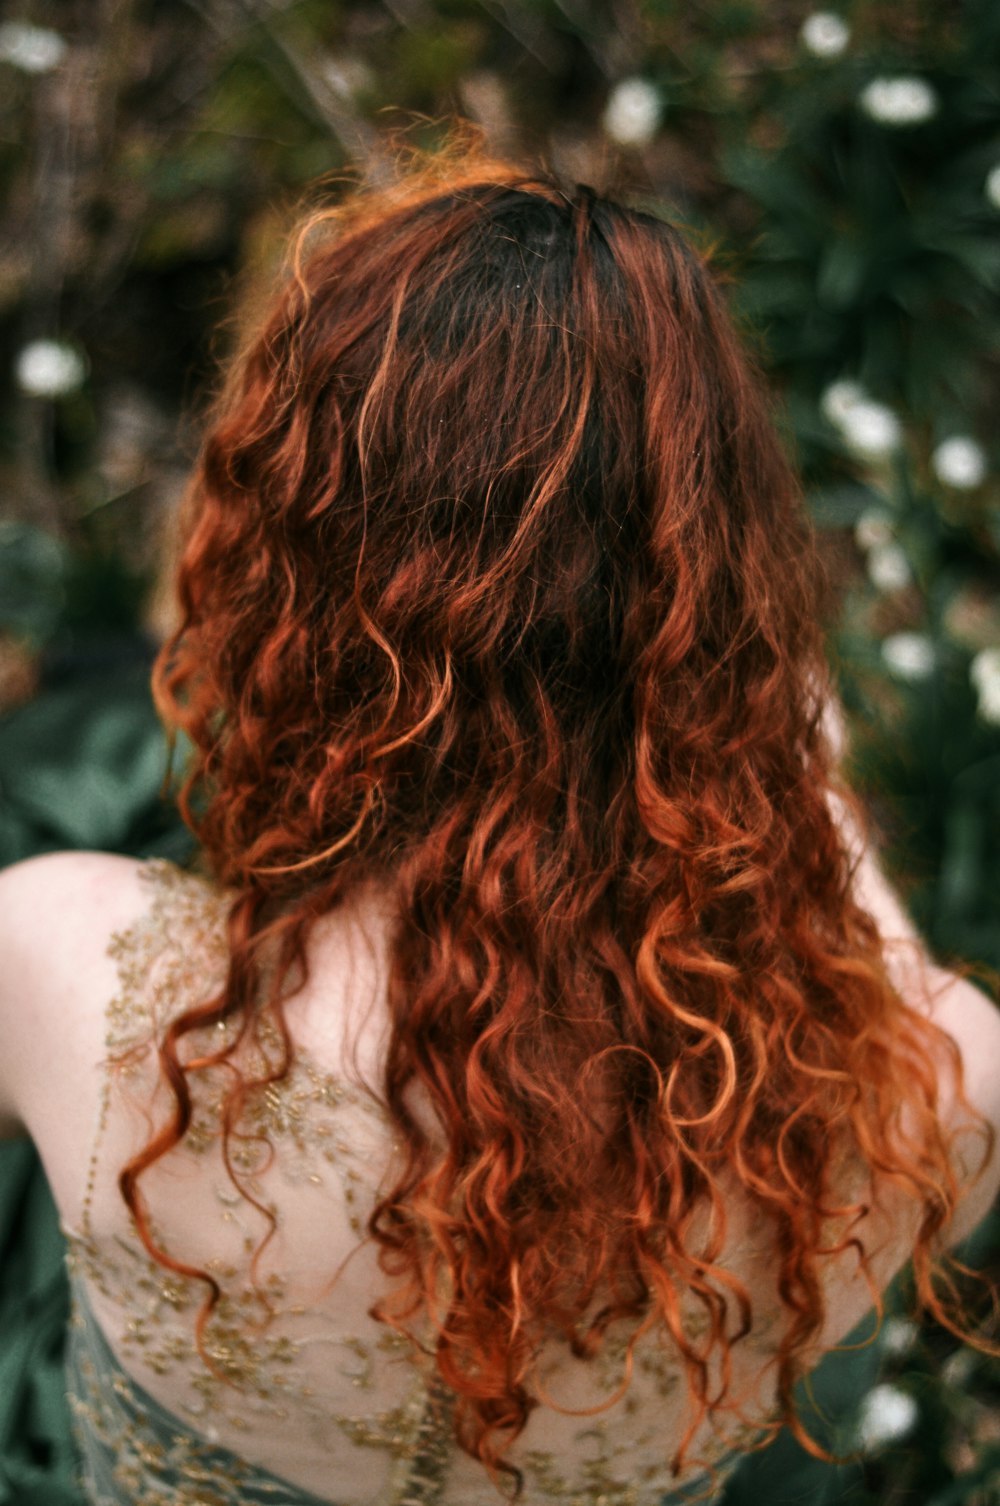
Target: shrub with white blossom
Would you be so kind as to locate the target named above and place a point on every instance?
(887, 1415)
(984, 673)
(825, 34)
(899, 101)
(959, 462)
(49, 368)
(842, 162)
(632, 114)
(909, 656)
(33, 49)
(869, 428)
(992, 188)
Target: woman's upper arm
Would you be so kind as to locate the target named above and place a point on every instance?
(973, 1022)
(965, 1013)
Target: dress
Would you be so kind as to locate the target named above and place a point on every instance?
(308, 1401)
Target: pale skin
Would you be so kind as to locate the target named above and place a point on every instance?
(58, 911)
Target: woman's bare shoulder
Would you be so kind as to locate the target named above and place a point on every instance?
(57, 914)
(61, 906)
(68, 867)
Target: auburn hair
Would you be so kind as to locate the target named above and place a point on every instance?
(497, 585)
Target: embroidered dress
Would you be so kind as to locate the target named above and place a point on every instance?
(298, 1397)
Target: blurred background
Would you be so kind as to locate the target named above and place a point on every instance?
(844, 167)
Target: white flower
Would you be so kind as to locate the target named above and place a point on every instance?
(901, 101)
(959, 462)
(33, 49)
(888, 567)
(992, 188)
(909, 656)
(839, 398)
(49, 368)
(984, 672)
(632, 113)
(824, 34)
(887, 1413)
(871, 429)
(899, 1335)
(873, 530)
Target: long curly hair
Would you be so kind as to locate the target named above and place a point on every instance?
(497, 586)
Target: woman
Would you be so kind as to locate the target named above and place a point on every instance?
(541, 1077)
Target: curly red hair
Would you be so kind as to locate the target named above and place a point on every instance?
(498, 586)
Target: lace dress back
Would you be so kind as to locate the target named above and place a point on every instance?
(297, 1395)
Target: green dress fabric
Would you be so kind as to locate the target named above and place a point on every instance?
(39, 1465)
(163, 1458)
(37, 1457)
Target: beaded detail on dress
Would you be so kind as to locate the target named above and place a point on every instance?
(294, 1380)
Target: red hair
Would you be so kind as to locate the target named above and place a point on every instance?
(498, 586)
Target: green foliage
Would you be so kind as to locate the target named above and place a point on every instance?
(84, 766)
(33, 570)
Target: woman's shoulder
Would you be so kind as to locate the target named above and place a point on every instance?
(72, 925)
(57, 912)
(61, 908)
(61, 898)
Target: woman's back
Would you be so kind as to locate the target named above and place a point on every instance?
(318, 1394)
